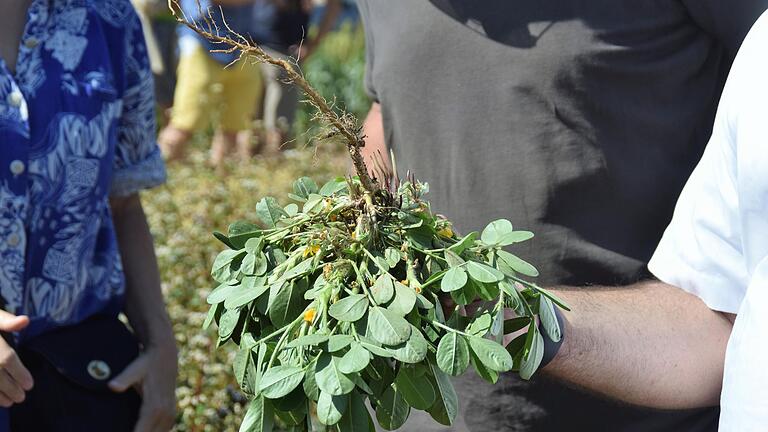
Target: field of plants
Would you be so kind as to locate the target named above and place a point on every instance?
(197, 201)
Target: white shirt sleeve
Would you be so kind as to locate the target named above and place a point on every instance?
(716, 246)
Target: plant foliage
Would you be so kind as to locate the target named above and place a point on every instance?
(339, 300)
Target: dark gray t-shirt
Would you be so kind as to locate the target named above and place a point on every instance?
(577, 120)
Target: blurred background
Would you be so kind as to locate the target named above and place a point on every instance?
(217, 174)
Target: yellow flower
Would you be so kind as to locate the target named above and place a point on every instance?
(354, 235)
(418, 290)
(311, 250)
(404, 282)
(446, 232)
(309, 315)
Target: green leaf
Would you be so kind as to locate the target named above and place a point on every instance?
(330, 378)
(278, 381)
(416, 389)
(404, 301)
(453, 259)
(480, 325)
(483, 273)
(259, 417)
(299, 270)
(515, 324)
(350, 308)
(222, 292)
(361, 384)
(248, 267)
(293, 401)
(330, 408)
(515, 237)
(516, 264)
(393, 256)
(383, 289)
(493, 233)
(308, 340)
(239, 228)
(313, 205)
(464, 296)
(392, 410)
(254, 245)
(421, 237)
(222, 271)
(487, 291)
(224, 239)
(454, 279)
(453, 354)
(213, 313)
(293, 417)
(374, 348)
(516, 349)
(466, 242)
(292, 209)
(355, 360)
(534, 354)
(446, 405)
(555, 299)
(288, 303)
(549, 319)
(387, 327)
(250, 288)
(414, 350)
(491, 354)
(228, 322)
(338, 342)
(240, 364)
(484, 372)
(334, 186)
(304, 186)
(356, 417)
(310, 383)
(269, 211)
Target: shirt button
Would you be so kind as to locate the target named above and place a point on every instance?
(17, 167)
(31, 42)
(14, 240)
(15, 98)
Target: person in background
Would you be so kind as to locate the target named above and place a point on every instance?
(207, 79)
(289, 21)
(579, 121)
(77, 126)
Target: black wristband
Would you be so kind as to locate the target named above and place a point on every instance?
(551, 347)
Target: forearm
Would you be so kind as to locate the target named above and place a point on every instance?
(375, 151)
(144, 305)
(651, 344)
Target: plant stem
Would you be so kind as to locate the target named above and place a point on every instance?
(445, 327)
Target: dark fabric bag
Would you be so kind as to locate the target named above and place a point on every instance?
(71, 367)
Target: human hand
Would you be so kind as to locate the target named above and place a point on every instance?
(16, 380)
(153, 375)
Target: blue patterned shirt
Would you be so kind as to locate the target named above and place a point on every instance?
(77, 125)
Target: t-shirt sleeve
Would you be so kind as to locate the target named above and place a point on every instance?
(138, 162)
(369, 49)
(727, 21)
(701, 250)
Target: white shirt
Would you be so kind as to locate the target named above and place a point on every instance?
(716, 246)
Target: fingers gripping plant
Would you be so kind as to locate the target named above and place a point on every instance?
(337, 298)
